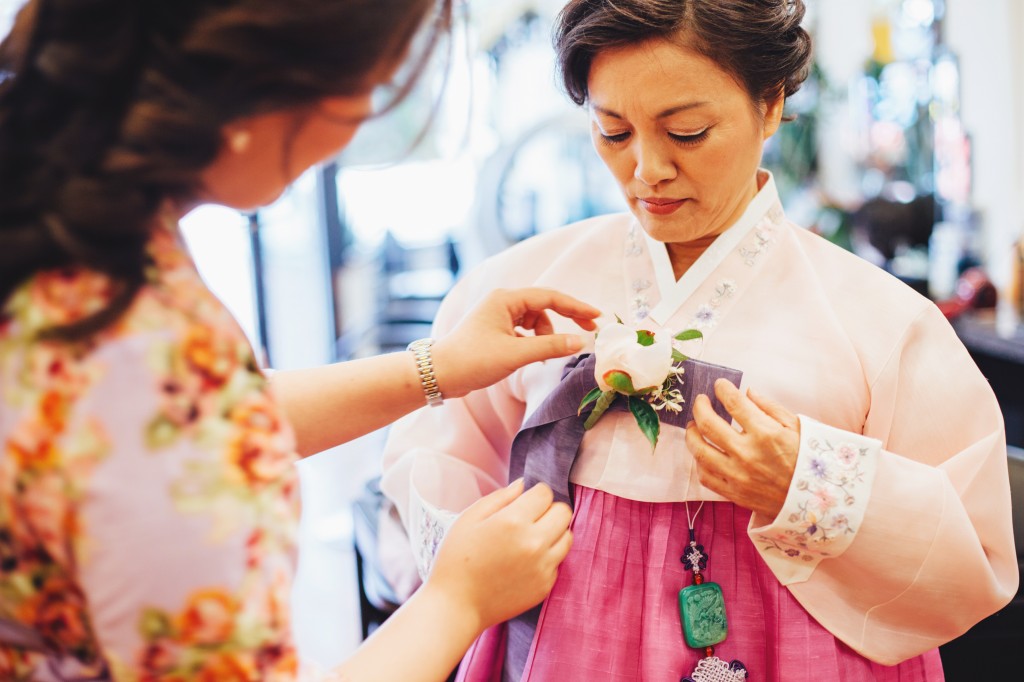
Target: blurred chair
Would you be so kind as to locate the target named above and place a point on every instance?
(414, 280)
(377, 600)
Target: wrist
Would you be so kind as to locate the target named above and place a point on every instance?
(446, 369)
(451, 605)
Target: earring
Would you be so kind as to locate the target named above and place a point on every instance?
(239, 141)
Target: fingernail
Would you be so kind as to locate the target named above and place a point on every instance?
(573, 343)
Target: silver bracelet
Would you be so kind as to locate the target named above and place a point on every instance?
(425, 367)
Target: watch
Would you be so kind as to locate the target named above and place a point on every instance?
(425, 367)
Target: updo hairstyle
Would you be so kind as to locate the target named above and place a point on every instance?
(759, 42)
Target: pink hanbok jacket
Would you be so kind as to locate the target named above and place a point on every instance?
(896, 533)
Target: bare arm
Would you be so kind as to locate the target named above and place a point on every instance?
(337, 403)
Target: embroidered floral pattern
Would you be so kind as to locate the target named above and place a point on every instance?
(634, 243)
(640, 301)
(238, 478)
(708, 314)
(641, 306)
(764, 236)
(641, 284)
(824, 492)
(432, 527)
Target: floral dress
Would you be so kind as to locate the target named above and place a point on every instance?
(148, 498)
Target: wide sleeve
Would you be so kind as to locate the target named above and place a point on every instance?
(439, 460)
(185, 546)
(927, 549)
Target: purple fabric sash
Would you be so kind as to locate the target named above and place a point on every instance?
(546, 447)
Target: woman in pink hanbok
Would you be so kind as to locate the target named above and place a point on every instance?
(843, 482)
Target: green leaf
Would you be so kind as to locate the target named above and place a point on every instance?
(619, 320)
(678, 357)
(603, 403)
(689, 334)
(646, 419)
(644, 338)
(587, 399)
(620, 381)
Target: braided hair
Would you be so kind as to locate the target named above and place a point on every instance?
(109, 108)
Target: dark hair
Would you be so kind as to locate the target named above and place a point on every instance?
(759, 42)
(110, 107)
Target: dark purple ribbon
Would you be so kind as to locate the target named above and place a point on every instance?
(546, 447)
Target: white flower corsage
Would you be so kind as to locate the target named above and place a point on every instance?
(642, 365)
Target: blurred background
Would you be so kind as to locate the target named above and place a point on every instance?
(907, 149)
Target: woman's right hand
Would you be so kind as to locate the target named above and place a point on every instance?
(508, 329)
(501, 556)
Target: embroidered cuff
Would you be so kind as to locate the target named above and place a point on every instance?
(429, 528)
(827, 498)
(439, 488)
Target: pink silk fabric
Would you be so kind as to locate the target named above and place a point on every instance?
(613, 614)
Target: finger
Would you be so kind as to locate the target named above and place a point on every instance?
(706, 454)
(554, 522)
(561, 548)
(542, 325)
(532, 504)
(748, 415)
(530, 349)
(492, 503)
(774, 410)
(529, 319)
(709, 461)
(712, 427)
(538, 299)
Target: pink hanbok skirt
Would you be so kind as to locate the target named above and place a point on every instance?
(613, 613)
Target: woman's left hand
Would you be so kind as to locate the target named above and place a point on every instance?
(753, 467)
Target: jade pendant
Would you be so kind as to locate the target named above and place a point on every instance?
(702, 612)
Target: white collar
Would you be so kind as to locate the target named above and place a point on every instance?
(674, 293)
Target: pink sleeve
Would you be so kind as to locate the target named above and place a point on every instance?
(933, 552)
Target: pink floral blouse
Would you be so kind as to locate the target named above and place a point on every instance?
(148, 498)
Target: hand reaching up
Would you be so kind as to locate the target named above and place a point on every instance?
(488, 345)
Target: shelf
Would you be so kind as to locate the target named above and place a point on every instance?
(979, 333)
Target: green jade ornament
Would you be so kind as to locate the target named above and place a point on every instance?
(702, 614)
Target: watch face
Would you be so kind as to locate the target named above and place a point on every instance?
(420, 344)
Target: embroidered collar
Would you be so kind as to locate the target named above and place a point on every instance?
(675, 293)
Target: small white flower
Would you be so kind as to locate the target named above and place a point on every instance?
(617, 348)
(705, 317)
